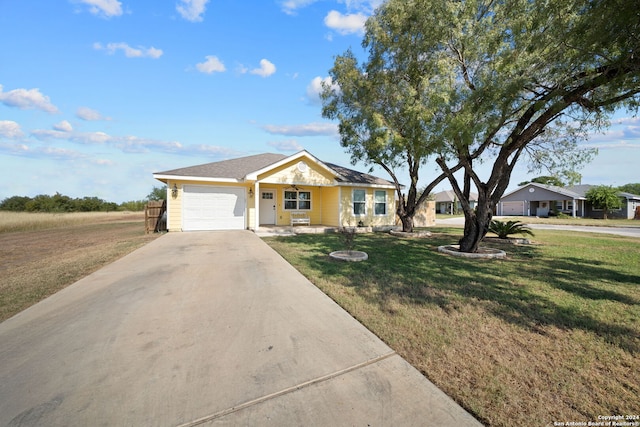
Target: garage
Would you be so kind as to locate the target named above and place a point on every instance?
(213, 208)
(513, 208)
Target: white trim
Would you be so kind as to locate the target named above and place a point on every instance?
(386, 203)
(298, 155)
(197, 178)
(353, 200)
(298, 208)
(355, 184)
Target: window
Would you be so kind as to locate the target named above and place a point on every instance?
(359, 202)
(380, 202)
(297, 200)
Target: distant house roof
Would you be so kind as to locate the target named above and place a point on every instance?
(577, 192)
(246, 167)
(449, 196)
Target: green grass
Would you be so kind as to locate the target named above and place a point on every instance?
(552, 333)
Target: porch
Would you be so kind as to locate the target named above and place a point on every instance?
(287, 230)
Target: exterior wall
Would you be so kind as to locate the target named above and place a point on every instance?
(331, 206)
(369, 219)
(283, 215)
(174, 205)
(621, 213)
(425, 215)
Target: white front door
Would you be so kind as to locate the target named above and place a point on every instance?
(267, 207)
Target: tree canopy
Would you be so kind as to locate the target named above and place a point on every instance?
(484, 82)
(604, 197)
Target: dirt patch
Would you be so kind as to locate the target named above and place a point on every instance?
(36, 264)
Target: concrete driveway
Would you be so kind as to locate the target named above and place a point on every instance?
(205, 329)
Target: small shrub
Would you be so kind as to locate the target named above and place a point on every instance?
(505, 229)
(348, 235)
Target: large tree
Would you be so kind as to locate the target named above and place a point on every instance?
(463, 83)
(604, 197)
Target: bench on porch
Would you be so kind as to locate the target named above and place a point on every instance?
(300, 218)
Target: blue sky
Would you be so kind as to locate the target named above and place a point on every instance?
(96, 95)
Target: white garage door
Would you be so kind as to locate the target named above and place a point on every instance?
(513, 208)
(213, 208)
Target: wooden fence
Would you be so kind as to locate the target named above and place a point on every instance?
(637, 213)
(155, 218)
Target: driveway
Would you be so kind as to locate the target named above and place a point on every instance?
(619, 231)
(205, 329)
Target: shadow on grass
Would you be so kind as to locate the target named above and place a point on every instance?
(528, 289)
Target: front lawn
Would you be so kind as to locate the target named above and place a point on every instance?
(551, 334)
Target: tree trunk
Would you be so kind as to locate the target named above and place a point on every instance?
(407, 223)
(476, 226)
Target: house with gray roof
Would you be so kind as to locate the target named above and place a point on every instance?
(542, 200)
(274, 189)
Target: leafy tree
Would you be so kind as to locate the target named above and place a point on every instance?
(158, 193)
(471, 82)
(630, 188)
(505, 229)
(546, 180)
(14, 203)
(604, 197)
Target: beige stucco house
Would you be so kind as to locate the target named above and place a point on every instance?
(274, 189)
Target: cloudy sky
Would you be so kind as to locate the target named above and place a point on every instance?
(96, 95)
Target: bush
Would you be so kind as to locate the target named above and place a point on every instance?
(505, 229)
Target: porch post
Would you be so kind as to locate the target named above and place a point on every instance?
(574, 208)
(256, 206)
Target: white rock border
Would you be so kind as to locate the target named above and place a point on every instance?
(351, 256)
(413, 235)
(455, 251)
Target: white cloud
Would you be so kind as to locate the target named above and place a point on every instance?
(309, 129)
(27, 99)
(289, 145)
(90, 115)
(266, 68)
(192, 10)
(291, 6)
(63, 126)
(130, 52)
(350, 23)
(314, 89)
(106, 8)
(211, 65)
(10, 129)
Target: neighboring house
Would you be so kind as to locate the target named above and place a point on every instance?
(447, 202)
(543, 200)
(270, 189)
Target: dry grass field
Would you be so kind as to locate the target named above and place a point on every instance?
(43, 253)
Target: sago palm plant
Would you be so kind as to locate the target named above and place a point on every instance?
(506, 228)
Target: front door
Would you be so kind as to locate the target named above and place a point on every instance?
(267, 207)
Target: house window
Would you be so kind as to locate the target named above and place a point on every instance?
(559, 205)
(359, 202)
(380, 202)
(297, 200)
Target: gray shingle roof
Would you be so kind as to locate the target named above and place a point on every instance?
(450, 196)
(354, 177)
(229, 169)
(241, 167)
